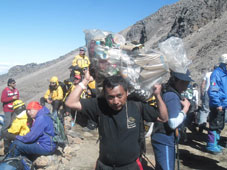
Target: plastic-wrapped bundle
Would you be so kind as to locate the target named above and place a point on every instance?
(153, 67)
(142, 70)
(173, 49)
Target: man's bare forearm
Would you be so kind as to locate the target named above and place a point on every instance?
(73, 101)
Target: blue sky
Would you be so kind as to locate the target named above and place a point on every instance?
(42, 30)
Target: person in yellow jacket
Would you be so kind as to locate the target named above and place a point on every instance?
(81, 60)
(54, 95)
(19, 125)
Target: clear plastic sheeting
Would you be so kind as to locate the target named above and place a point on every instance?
(110, 55)
(173, 49)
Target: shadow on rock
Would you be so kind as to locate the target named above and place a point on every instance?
(198, 162)
(196, 141)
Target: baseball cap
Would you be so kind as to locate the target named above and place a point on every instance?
(34, 105)
(182, 76)
(223, 58)
(77, 77)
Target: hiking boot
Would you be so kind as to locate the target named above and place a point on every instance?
(212, 148)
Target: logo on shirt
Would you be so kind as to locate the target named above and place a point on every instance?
(131, 122)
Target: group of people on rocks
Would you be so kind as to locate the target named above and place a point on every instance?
(27, 130)
(119, 118)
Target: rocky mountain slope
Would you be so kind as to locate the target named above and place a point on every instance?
(202, 24)
(33, 79)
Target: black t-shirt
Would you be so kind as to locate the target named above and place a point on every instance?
(119, 138)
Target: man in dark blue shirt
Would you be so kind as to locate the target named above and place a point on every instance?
(163, 139)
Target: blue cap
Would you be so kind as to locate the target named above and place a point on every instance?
(182, 76)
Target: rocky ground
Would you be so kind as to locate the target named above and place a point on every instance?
(192, 154)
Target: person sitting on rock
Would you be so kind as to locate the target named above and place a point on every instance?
(19, 125)
(53, 96)
(39, 141)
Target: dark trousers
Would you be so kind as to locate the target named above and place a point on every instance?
(137, 165)
(6, 125)
(216, 120)
(55, 104)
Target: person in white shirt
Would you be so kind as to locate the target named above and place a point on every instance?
(195, 95)
(205, 110)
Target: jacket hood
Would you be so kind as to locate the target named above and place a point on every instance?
(43, 111)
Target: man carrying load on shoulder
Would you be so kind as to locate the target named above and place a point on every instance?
(163, 136)
(118, 121)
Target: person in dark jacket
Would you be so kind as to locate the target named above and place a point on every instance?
(119, 121)
(218, 103)
(39, 141)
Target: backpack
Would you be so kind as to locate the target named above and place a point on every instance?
(60, 137)
(17, 163)
(64, 87)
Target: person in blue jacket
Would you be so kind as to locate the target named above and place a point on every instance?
(39, 141)
(218, 104)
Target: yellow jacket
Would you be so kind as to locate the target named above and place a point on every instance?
(19, 125)
(83, 94)
(82, 62)
(92, 84)
(55, 94)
